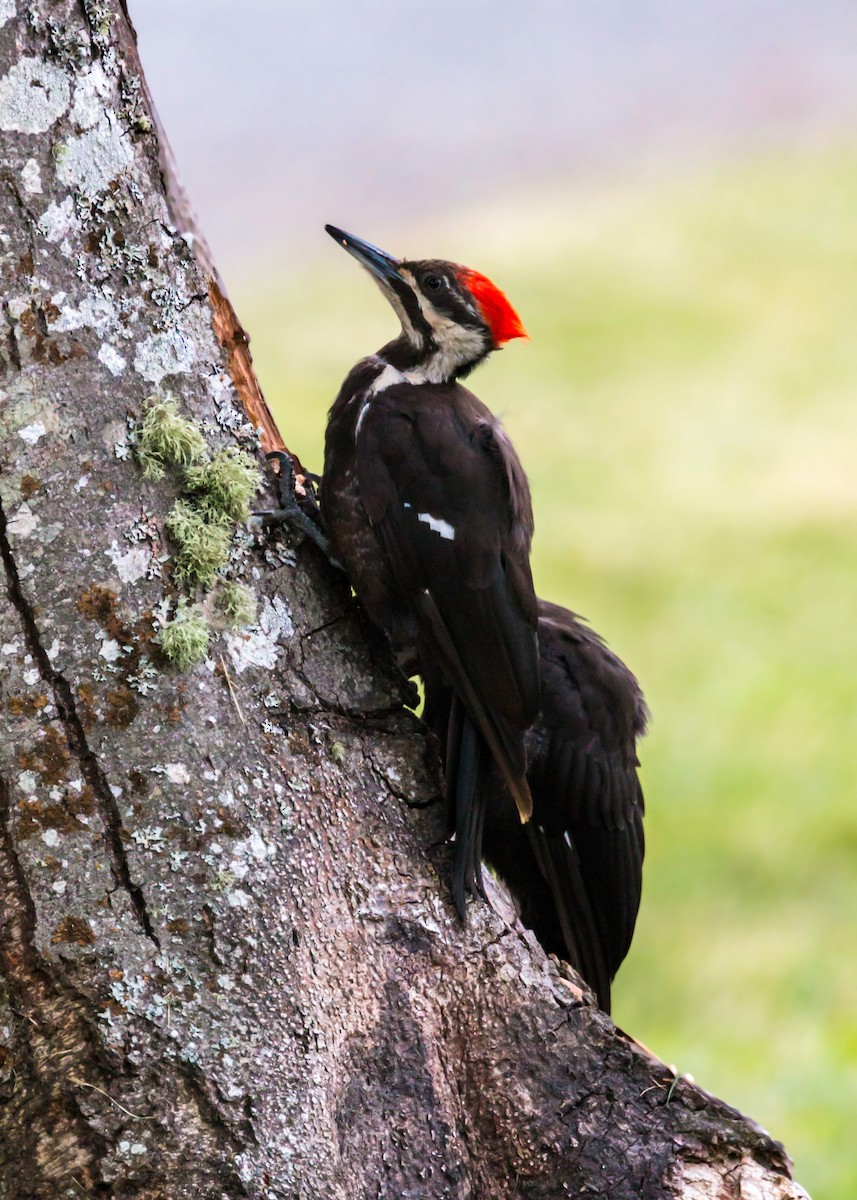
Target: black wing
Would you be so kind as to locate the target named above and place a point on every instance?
(449, 502)
(576, 870)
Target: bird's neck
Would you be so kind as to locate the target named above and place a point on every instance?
(428, 362)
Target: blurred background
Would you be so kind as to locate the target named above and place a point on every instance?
(668, 193)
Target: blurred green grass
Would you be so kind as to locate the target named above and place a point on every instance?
(687, 412)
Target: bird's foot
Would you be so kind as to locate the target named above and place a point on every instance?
(302, 514)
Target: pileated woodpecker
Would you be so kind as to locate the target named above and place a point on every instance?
(575, 870)
(427, 508)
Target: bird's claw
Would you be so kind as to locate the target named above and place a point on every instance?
(292, 510)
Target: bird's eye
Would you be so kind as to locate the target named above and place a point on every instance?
(432, 283)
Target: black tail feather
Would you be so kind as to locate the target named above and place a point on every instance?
(560, 865)
(504, 742)
(468, 774)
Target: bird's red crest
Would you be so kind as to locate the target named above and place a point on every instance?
(499, 315)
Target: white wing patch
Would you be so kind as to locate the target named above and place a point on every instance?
(438, 525)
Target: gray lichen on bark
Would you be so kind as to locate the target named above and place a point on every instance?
(229, 960)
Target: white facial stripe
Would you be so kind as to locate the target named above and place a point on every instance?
(438, 525)
(428, 372)
(457, 348)
(457, 345)
(407, 328)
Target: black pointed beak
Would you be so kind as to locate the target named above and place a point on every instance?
(381, 264)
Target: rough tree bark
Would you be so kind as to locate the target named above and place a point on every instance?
(230, 964)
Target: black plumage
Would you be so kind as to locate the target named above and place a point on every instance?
(575, 870)
(427, 508)
(465, 601)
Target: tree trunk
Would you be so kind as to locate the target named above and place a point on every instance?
(231, 964)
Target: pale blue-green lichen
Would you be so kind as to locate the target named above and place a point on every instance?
(225, 484)
(237, 603)
(169, 352)
(184, 640)
(215, 497)
(166, 439)
(203, 540)
(33, 95)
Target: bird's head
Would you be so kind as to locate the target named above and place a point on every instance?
(452, 317)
